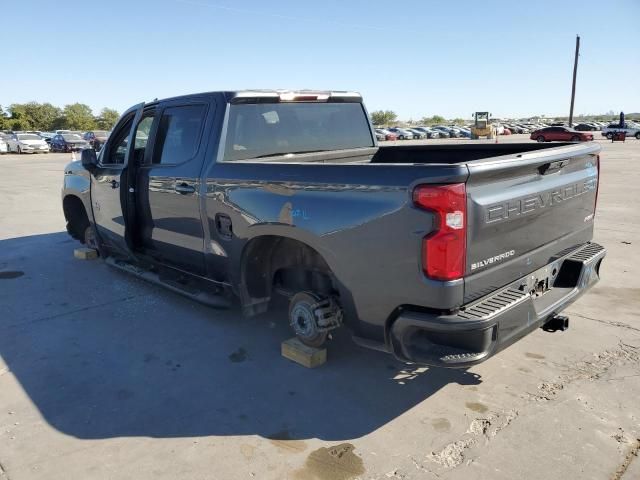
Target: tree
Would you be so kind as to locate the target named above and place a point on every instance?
(3, 119)
(77, 116)
(436, 119)
(385, 117)
(19, 120)
(41, 116)
(107, 119)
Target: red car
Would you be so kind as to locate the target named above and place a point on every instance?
(383, 132)
(561, 134)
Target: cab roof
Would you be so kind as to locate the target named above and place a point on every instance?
(276, 96)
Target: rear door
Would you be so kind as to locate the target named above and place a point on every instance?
(109, 185)
(525, 210)
(169, 226)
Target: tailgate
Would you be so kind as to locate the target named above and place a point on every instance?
(525, 210)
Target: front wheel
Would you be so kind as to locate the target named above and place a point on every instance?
(638, 135)
(540, 139)
(19, 150)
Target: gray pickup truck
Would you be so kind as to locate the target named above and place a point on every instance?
(439, 254)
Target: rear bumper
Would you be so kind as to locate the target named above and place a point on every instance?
(488, 325)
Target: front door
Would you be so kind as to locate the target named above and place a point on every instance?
(109, 185)
(168, 222)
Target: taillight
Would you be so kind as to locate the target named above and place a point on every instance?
(444, 250)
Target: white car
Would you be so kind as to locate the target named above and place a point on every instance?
(27, 143)
(631, 129)
(4, 148)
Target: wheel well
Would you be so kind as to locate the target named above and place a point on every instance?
(76, 216)
(289, 265)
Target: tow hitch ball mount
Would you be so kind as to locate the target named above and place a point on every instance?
(555, 323)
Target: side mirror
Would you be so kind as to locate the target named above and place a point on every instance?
(89, 158)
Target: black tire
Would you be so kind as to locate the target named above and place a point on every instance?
(638, 135)
(301, 319)
(540, 139)
(19, 150)
(609, 135)
(401, 137)
(575, 138)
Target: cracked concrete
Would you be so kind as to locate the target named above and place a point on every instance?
(483, 428)
(606, 322)
(104, 376)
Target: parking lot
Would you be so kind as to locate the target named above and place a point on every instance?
(105, 376)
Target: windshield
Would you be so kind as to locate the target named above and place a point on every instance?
(28, 136)
(71, 137)
(261, 130)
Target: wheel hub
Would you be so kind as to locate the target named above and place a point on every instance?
(303, 320)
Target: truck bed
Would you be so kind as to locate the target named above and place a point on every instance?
(453, 154)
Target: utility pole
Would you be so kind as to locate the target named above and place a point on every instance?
(573, 86)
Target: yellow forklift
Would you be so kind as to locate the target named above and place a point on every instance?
(482, 126)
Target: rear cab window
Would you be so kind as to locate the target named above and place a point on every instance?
(264, 130)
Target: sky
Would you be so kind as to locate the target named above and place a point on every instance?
(416, 57)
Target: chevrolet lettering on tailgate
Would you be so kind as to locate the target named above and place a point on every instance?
(525, 205)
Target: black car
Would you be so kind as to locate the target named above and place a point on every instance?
(68, 142)
(96, 138)
(585, 127)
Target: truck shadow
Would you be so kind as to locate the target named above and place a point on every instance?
(101, 354)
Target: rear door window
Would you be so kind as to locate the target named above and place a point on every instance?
(178, 134)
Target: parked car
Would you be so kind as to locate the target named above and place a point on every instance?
(59, 132)
(68, 142)
(430, 133)
(449, 132)
(47, 136)
(441, 256)
(515, 129)
(388, 136)
(631, 130)
(4, 148)
(401, 133)
(463, 132)
(27, 143)
(417, 134)
(562, 134)
(585, 127)
(380, 136)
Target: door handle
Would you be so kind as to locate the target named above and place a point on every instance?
(185, 189)
(114, 184)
